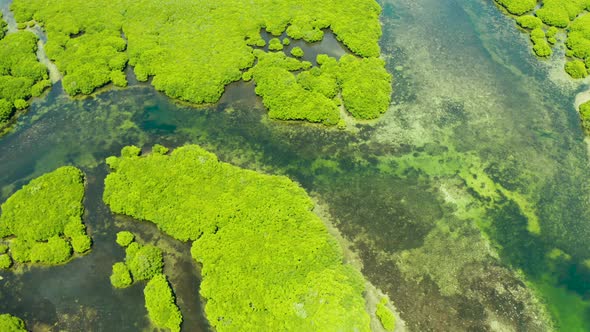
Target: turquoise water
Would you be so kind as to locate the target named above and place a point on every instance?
(435, 197)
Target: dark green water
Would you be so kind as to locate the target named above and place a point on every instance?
(426, 194)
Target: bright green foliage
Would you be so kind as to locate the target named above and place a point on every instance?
(193, 49)
(551, 33)
(38, 88)
(322, 81)
(578, 38)
(20, 104)
(6, 110)
(9, 323)
(42, 208)
(540, 45)
(284, 97)
(3, 28)
(21, 250)
(160, 303)
(118, 78)
(275, 45)
(297, 52)
(5, 261)
(559, 13)
(159, 149)
(576, 69)
(19, 72)
(366, 86)
(267, 259)
(529, 22)
(120, 278)
(3, 248)
(518, 7)
(55, 251)
(585, 116)
(81, 243)
(286, 41)
(44, 215)
(144, 263)
(130, 151)
(385, 315)
(125, 238)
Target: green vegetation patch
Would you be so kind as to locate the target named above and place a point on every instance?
(3, 28)
(125, 238)
(44, 218)
(21, 75)
(160, 303)
(297, 52)
(142, 262)
(121, 277)
(9, 323)
(544, 24)
(193, 50)
(518, 7)
(576, 69)
(311, 94)
(5, 261)
(267, 259)
(585, 116)
(385, 315)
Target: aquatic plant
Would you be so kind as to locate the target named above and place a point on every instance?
(120, 277)
(160, 303)
(11, 323)
(45, 218)
(267, 259)
(193, 51)
(385, 315)
(125, 238)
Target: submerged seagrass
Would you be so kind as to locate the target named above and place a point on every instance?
(193, 49)
(268, 260)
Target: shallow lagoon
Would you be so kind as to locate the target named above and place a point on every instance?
(473, 110)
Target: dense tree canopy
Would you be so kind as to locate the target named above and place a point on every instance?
(160, 303)
(45, 218)
(9, 323)
(194, 49)
(21, 75)
(267, 259)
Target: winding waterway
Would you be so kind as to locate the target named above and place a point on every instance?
(435, 197)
